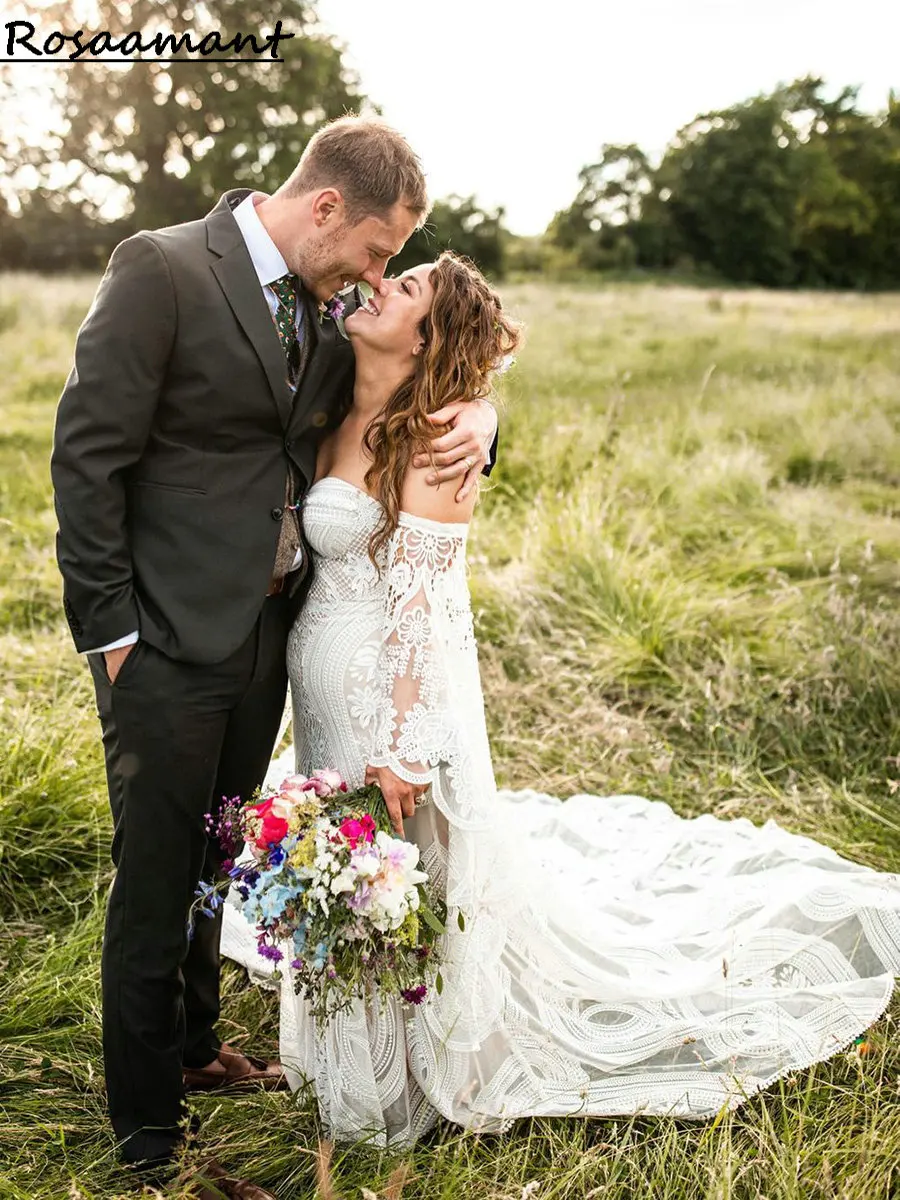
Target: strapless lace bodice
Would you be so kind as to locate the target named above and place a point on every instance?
(367, 637)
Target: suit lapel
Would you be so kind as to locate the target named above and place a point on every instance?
(326, 352)
(235, 274)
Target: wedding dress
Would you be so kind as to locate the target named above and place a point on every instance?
(615, 958)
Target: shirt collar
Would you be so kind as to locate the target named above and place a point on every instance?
(264, 254)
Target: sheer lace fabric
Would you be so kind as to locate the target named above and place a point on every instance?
(616, 958)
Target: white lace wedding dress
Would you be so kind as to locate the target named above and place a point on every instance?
(616, 958)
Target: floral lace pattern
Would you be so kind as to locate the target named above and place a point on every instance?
(616, 958)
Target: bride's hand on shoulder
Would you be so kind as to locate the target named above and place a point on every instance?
(463, 450)
(399, 796)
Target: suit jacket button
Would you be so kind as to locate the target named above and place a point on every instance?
(276, 514)
(319, 419)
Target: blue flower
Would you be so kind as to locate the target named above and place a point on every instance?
(211, 898)
(272, 900)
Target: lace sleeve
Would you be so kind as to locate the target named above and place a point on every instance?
(431, 726)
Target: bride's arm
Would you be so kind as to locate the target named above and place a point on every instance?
(427, 547)
(435, 502)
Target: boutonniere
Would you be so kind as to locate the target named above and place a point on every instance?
(332, 310)
(342, 304)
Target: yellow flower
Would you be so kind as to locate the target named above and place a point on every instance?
(303, 854)
(408, 933)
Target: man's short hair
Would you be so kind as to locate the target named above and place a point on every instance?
(368, 162)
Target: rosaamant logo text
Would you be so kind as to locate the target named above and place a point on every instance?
(24, 44)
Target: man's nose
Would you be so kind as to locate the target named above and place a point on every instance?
(374, 277)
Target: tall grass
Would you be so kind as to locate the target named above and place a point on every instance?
(685, 575)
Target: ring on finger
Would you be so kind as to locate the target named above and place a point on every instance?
(469, 460)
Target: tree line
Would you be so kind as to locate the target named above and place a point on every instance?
(786, 189)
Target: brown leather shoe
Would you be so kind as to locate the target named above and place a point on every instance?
(211, 1181)
(241, 1070)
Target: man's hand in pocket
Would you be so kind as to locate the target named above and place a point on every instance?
(114, 660)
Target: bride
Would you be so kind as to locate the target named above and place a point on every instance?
(615, 958)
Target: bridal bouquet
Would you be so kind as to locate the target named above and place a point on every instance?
(332, 890)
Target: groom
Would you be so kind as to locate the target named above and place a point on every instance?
(205, 377)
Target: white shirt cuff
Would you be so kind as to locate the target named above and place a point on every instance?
(128, 640)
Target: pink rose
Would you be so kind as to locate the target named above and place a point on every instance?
(331, 780)
(319, 786)
(296, 789)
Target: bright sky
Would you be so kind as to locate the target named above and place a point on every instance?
(508, 99)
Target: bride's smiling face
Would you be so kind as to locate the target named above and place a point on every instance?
(391, 323)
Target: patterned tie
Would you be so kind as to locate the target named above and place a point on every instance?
(286, 318)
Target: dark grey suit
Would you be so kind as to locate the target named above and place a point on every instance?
(172, 443)
(172, 438)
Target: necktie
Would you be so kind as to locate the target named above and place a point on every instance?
(286, 319)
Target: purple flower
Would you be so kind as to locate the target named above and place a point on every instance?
(297, 964)
(272, 953)
(415, 995)
(360, 897)
(335, 308)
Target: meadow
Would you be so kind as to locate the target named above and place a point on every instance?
(685, 574)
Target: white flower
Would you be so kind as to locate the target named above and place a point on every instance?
(414, 628)
(365, 705)
(344, 881)
(366, 861)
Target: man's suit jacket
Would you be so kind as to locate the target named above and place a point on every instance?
(172, 442)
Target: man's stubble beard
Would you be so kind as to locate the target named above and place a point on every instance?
(319, 262)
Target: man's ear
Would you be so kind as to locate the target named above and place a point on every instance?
(328, 207)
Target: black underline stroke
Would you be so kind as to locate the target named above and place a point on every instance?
(127, 61)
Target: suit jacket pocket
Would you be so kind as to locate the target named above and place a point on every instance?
(169, 487)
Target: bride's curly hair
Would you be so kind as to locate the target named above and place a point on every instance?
(466, 336)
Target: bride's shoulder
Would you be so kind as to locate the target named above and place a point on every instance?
(436, 502)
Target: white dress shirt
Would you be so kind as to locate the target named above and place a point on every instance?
(269, 265)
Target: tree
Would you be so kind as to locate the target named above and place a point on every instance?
(731, 181)
(458, 223)
(849, 215)
(600, 223)
(789, 188)
(158, 142)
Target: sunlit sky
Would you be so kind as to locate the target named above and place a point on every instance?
(507, 99)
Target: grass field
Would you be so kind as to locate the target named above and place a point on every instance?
(686, 581)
